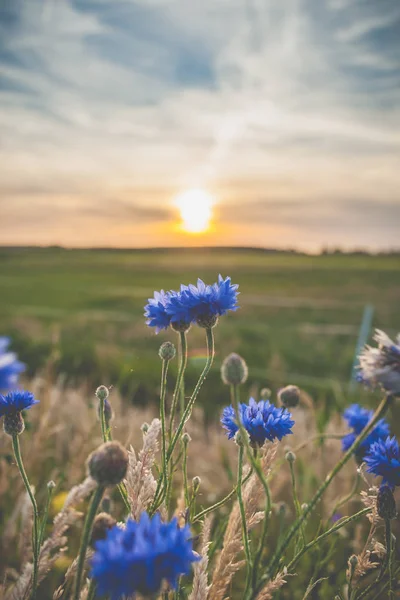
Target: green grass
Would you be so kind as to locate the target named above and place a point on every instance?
(298, 321)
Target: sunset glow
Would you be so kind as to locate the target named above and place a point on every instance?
(195, 208)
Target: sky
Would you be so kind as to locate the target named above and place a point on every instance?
(286, 112)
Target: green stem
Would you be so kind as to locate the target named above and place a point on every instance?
(181, 371)
(220, 503)
(243, 516)
(252, 458)
(92, 590)
(160, 493)
(263, 536)
(35, 529)
(87, 529)
(45, 515)
(296, 499)
(383, 406)
(324, 535)
(163, 393)
(349, 496)
(185, 479)
(107, 437)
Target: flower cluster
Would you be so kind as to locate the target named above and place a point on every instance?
(201, 304)
(381, 366)
(10, 367)
(139, 557)
(383, 460)
(262, 421)
(357, 419)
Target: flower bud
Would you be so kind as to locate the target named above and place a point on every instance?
(51, 485)
(186, 439)
(386, 504)
(145, 427)
(238, 438)
(234, 370)
(196, 481)
(265, 394)
(180, 326)
(289, 396)
(108, 464)
(108, 412)
(353, 561)
(207, 321)
(101, 526)
(167, 351)
(102, 392)
(13, 423)
(290, 456)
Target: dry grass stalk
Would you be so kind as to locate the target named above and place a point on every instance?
(70, 576)
(227, 563)
(140, 482)
(272, 586)
(200, 587)
(365, 563)
(55, 544)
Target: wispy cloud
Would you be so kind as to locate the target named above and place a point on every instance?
(292, 107)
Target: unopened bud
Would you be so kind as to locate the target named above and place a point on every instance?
(207, 321)
(238, 438)
(102, 392)
(353, 561)
(289, 396)
(101, 526)
(144, 428)
(196, 481)
(386, 504)
(234, 370)
(180, 326)
(265, 394)
(13, 423)
(108, 464)
(108, 412)
(290, 456)
(51, 485)
(167, 351)
(186, 439)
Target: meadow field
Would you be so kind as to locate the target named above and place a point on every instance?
(299, 318)
(75, 318)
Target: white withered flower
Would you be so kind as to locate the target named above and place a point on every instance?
(381, 366)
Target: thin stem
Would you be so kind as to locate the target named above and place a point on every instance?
(185, 479)
(383, 406)
(160, 493)
(252, 458)
(87, 529)
(35, 529)
(349, 496)
(220, 503)
(263, 536)
(107, 437)
(92, 590)
(243, 516)
(163, 393)
(183, 356)
(324, 535)
(45, 515)
(296, 499)
(192, 400)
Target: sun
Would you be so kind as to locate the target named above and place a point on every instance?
(196, 210)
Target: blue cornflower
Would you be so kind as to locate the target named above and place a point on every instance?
(140, 556)
(10, 367)
(358, 418)
(383, 460)
(156, 313)
(15, 402)
(262, 420)
(381, 366)
(208, 302)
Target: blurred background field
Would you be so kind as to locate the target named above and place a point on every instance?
(299, 319)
